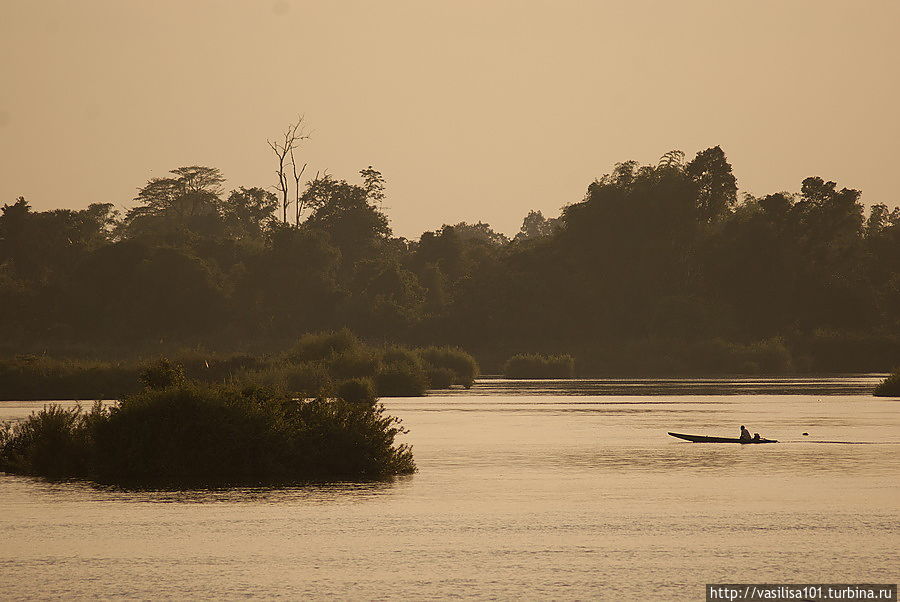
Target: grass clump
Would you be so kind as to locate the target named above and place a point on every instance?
(194, 434)
(889, 387)
(534, 365)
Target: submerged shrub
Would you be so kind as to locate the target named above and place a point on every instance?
(357, 390)
(462, 364)
(889, 387)
(440, 378)
(193, 434)
(401, 356)
(534, 365)
(399, 380)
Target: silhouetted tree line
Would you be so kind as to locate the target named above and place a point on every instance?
(659, 268)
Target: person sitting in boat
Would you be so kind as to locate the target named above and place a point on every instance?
(756, 436)
(745, 434)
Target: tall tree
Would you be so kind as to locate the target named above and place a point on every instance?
(716, 185)
(291, 138)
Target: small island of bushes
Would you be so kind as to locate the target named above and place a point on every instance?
(176, 432)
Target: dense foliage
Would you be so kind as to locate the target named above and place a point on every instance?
(652, 263)
(190, 434)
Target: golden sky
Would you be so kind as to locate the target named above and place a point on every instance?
(473, 110)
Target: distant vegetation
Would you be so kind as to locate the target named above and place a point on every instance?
(655, 269)
(192, 434)
(889, 387)
(534, 365)
(319, 364)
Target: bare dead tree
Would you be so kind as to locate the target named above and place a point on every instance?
(293, 135)
(298, 198)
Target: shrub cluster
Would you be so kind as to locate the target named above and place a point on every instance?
(534, 365)
(320, 364)
(193, 434)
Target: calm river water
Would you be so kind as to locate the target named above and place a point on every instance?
(549, 489)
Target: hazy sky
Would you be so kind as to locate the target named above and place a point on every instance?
(472, 110)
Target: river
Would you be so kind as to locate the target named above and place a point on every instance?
(538, 489)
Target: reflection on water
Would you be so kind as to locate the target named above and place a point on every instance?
(525, 490)
(348, 492)
(857, 384)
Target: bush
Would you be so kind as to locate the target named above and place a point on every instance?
(162, 374)
(399, 380)
(401, 356)
(533, 365)
(54, 442)
(440, 378)
(357, 390)
(308, 379)
(355, 363)
(193, 434)
(322, 346)
(889, 387)
(462, 364)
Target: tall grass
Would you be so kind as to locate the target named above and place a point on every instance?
(195, 434)
(534, 365)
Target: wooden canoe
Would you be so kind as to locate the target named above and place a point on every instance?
(704, 439)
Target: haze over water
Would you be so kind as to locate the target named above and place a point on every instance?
(523, 490)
